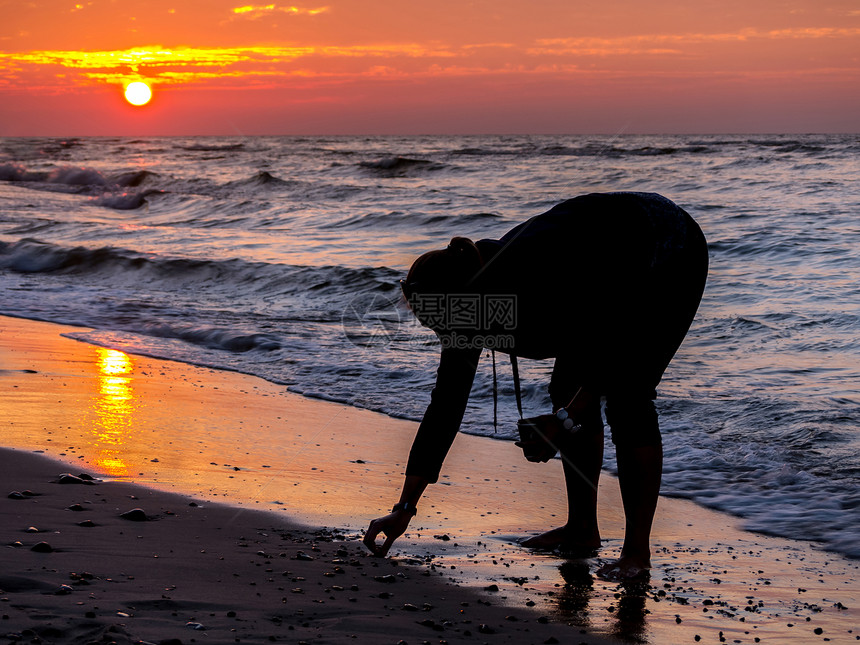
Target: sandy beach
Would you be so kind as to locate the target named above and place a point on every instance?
(255, 499)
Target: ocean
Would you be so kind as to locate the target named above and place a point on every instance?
(280, 256)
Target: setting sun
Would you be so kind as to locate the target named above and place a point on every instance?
(138, 93)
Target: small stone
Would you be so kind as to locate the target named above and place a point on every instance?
(32, 529)
(818, 631)
(196, 626)
(432, 624)
(485, 629)
(76, 507)
(87, 524)
(67, 478)
(301, 555)
(16, 495)
(63, 590)
(387, 579)
(409, 607)
(42, 547)
(135, 515)
(493, 587)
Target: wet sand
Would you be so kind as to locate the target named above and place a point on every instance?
(295, 474)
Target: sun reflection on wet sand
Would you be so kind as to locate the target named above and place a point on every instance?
(114, 407)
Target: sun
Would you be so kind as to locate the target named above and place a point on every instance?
(138, 93)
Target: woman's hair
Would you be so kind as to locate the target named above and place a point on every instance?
(450, 270)
(440, 273)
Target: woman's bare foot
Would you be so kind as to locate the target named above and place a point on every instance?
(625, 568)
(562, 538)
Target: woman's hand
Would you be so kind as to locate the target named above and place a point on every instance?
(393, 525)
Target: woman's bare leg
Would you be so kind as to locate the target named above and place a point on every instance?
(639, 473)
(582, 459)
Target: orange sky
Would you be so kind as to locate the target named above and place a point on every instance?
(373, 66)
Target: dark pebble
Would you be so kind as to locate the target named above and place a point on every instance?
(135, 515)
(87, 524)
(818, 631)
(76, 507)
(492, 587)
(485, 629)
(67, 478)
(389, 578)
(16, 495)
(42, 547)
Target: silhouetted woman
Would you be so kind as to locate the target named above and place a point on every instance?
(607, 285)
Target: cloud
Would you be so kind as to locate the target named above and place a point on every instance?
(254, 12)
(669, 43)
(192, 64)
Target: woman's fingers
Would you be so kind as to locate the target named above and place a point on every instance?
(392, 526)
(370, 537)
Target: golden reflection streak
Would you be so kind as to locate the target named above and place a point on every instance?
(114, 408)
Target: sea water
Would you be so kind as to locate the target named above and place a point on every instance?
(279, 257)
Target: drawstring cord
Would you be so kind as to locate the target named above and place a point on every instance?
(516, 373)
(495, 396)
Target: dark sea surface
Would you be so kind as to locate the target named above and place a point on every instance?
(280, 257)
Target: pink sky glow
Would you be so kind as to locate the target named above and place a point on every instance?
(378, 67)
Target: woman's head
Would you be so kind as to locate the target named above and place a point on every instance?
(441, 273)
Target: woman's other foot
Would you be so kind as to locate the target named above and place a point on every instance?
(625, 568)
(566, 540)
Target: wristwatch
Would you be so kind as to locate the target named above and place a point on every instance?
(405, 506)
